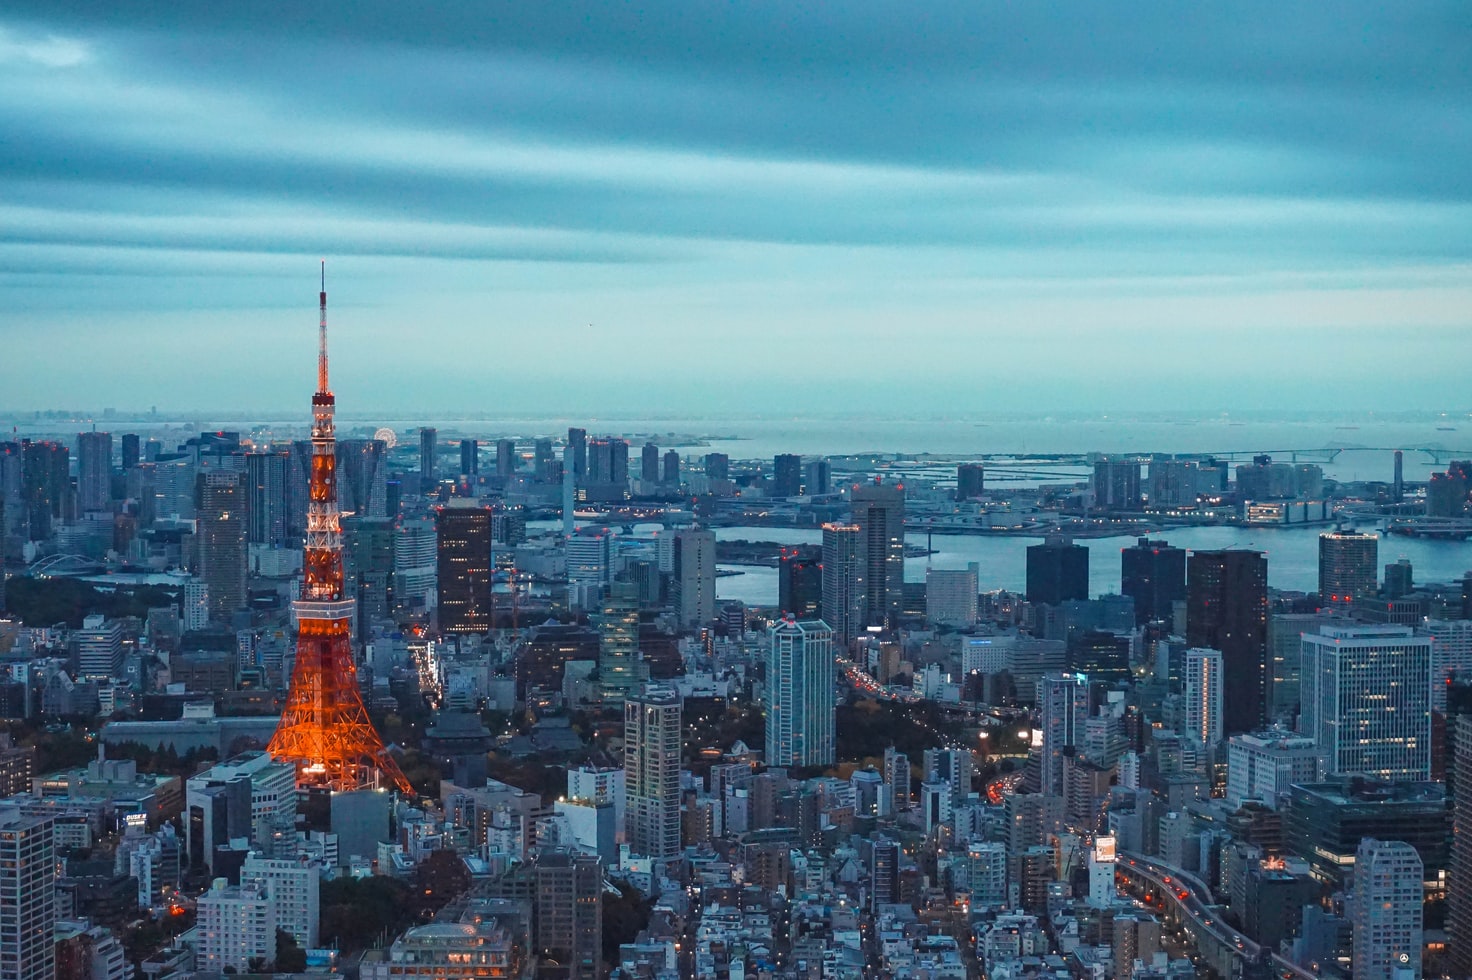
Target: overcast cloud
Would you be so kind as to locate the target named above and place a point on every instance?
(672, 206)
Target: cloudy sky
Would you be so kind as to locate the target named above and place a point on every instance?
(698, 206)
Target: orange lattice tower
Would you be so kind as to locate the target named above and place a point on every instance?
(325, 729)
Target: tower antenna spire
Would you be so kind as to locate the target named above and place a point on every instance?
(322, 337)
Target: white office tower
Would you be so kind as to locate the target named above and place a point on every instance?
(843, 581)
(1451, 652)
(1102, 892)
(1264, 766)
(1063, 703)
(272, 795)
(694, 580)
(935, 805)
(590, 558)
(100, 648)
(1367, 700)
(951, 596)
(27, 896)
(952, 767)
(236, 924)
(595, 785)
(652, 741)
(897, 779)
(800, 703)
(982, 874)
(294, 886)
(1386, 911)
(1201, 676)
(416, 557)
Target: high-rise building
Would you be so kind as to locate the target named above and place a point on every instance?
(1063, 706)
(463, 567)
(294, 887)
(236, 924)
(27, 896)
(1386, 910)
(718, 466)
(505, 458)
(652, 742)
(1202, 701)
(952, 767)
(786, 475)
(897, 778)
(817, 477)
(1399, 578)
(649, 463)
(1451, 655)
(620, 669)
(800, 702)
(843, 581)
(1285, 660)
(951, 597)
(1227, 610)
(45, 484)
(131, 450)
(1154, 575)
(577, 441)
(362, 477)
(694, 582)
(970, 481)
(94, 471)
(1459, 881)
(569, 913)
(671, 475)
(1057, 570)
(542, 459)
(368, 566)
(469, 458)
(1348, 564)
(1117, 484)
(267, 513)
(416, 557)
(220, 527)
(100, 648)
(879, 512)
(800, 585)
(590, 557)
(429, 459)
(1367, 700)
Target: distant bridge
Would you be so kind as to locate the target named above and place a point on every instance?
(62, 566)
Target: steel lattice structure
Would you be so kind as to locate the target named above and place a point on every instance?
(325, 730)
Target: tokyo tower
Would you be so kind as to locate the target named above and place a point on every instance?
(325, 730)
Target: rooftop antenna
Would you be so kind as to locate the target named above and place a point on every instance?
(322, 337)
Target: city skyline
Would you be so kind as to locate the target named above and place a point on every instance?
(612, 199)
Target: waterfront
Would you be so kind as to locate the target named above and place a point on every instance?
(1293, 557)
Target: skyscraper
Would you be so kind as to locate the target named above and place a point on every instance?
(843, 581)
(800, 585)
(1348, 564)
(1202, 679)
(1226, 610)
(1057, 570)
(577, 441)
(1459, 884)
(718, 466)
(1386, 910)
(220, 527)
(1117, 484)
(649, 463)
(94, 471)
(429, 459)
(800, 702)
(45, 484)
(463, 566)
(879, 511)
(27, 896)
(132, 455)
(671, 475)
(620, 669)
(1154, 575)
(362, 477)
(786, 475)
(652, 742)
(951, 596)
(970, 481)
(817, 477)
(469, 457)
(1367, 700)
(694, 580)
(569, 919)
(267, 512)
(506, 458)
(1063, 704)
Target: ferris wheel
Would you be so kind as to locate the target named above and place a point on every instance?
(387, 437)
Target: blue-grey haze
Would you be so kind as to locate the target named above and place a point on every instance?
(705, 206)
